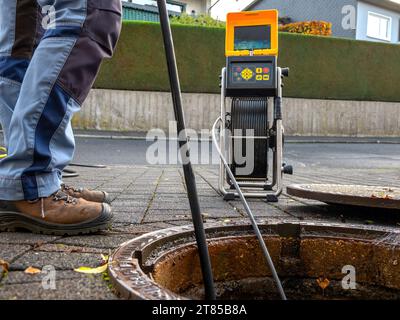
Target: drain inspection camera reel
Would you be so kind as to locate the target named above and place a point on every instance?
(250, 81)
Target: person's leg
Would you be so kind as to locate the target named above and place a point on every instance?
(20, 32)
(62, 71)
(39, 136)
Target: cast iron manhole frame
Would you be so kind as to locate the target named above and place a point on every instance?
(129, 275)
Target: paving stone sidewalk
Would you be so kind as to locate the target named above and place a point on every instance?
(148, 198)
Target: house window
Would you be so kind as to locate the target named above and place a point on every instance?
(379, 26)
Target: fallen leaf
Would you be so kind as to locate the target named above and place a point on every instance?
(323, 283)
(381, 195)
(75, 249)
(38, 244)
(32, 270)
(227, 220)
(4, 265)
(89, 270)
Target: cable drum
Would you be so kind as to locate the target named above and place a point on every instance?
(250, 113)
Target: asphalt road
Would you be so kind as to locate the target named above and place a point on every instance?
(329, 155)
(320, 155)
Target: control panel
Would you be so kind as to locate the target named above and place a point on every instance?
(251, 73)
(251, 76)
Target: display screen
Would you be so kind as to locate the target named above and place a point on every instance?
(253, 37)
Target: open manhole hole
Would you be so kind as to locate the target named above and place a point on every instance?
(314, 261)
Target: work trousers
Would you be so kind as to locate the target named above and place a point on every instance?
(50, 54)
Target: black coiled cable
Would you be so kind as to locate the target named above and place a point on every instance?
(251, 113)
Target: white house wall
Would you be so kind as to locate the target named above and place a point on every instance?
(200, 6)
(362, 21)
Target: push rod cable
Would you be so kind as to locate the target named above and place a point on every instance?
(205, 261)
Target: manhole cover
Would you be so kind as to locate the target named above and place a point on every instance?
(354, 195)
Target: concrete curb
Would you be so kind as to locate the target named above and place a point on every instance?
(298, 140)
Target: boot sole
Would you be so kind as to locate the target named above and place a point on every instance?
(12, 221)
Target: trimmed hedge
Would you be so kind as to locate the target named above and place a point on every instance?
(321, 67)
(139, 62)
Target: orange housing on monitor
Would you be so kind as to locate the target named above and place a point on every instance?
(248, 19)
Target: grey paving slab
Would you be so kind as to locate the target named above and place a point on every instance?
(84, 288)
(175, 215)
(131, 195)
(183, 203)
(24, 238)
(187, 222)
(65, 248)
(96, 241)
(134, 215)
(138, 229)
(168, 217)
(130, 204)
(59, 260)
(9, 252)
(20, 277)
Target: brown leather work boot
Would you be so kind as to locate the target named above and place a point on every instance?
(59, 214)
(88, 195)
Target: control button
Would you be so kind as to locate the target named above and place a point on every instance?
(266, 77)
(266, 70)
(259, 70)
(238, 69)
(247, 74)
(259, 77)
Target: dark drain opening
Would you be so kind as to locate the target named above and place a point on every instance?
(310, 268)
(295, 289)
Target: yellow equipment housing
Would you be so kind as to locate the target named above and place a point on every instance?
(252, 33)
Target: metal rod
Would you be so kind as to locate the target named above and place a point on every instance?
(222, 176)
(279, 129)
(185, 155)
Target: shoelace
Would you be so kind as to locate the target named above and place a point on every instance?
(58, 196)
(66, 187)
